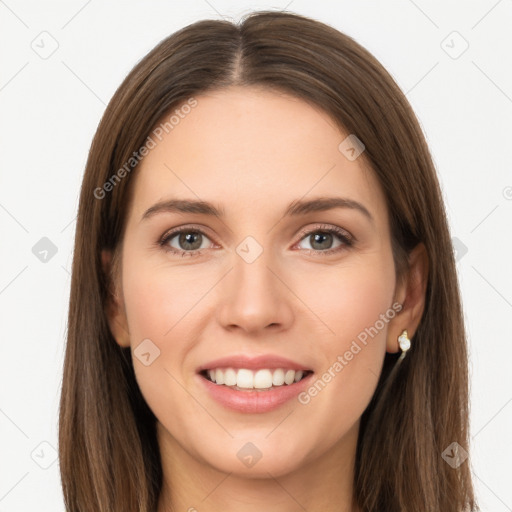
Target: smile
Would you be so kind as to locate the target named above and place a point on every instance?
(262, 379)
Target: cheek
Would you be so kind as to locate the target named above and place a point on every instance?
(157, 311)
(163, 306)
(347, 298)
(364, 295)
(355, 303)
(161, 301)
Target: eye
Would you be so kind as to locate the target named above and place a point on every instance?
(189, 241)
(322, 238)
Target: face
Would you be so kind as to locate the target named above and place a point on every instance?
(263, 279)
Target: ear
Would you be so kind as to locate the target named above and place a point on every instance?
(114, 306)
(410, 292)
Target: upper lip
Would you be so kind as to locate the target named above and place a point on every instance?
(269, 361)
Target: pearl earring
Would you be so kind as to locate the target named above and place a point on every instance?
(404, 342)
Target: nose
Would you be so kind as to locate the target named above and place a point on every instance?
(254, 297)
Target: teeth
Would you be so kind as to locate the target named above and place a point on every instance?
(259, 379)
(289, 377)
(245, 379)
(218, 377)
(278, 377)
(262, 379)
(229, 377)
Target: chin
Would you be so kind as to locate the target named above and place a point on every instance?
(255, 459)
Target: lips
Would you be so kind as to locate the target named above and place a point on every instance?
(259, 399)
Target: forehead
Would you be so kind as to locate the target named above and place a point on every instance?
(251, 148)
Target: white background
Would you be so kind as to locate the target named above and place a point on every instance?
(50, 108)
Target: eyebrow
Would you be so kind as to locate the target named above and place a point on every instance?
(296, 208)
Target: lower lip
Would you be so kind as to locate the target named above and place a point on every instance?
(254, 401)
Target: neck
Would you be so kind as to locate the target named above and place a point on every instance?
(325, 483)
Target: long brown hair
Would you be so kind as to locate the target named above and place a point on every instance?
(109, 456)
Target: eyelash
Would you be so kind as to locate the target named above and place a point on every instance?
(346, 239)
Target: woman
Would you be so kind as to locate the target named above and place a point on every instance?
(216, 362)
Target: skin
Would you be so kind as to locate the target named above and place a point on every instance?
(254, 151)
